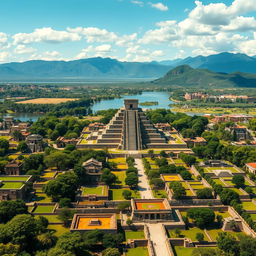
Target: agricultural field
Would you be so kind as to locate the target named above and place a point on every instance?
(46, 101)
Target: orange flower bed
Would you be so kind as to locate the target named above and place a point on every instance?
(84, 223)
(150, 206)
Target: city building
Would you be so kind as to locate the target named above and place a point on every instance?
(35, 142)
(13, 168)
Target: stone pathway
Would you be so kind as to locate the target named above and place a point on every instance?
(157, 236)
(144, 188)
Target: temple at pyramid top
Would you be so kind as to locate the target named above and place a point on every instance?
(129, 129)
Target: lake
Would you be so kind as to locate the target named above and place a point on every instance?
(161, 97)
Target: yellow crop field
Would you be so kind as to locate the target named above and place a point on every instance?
(46, 101)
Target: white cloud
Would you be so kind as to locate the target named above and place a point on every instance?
(93, 34)
(22, 49)
(166, 32)
(248, 46)
(48, 35)
(48, 55)
(98, 51)
(4, 56)
(139, 3)
(241, 24)
(159, 6)
(3, 38)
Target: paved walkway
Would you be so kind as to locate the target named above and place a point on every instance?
(144, 188)
(157, 237)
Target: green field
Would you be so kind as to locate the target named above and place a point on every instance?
(121, 175)
(160, 194)
(12, 185)
(249, 206)
(99, 190)
(13, 178)
(134, 234)
(52, 218)
(139, 251)
(116, 194)
(44, 209)
(60, 230)
(190, 233)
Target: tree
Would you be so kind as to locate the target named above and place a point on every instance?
(9, 209)
(73, 242)
(158, 183)
(65, 215)
(127, 194)
(178, 190)
(17, 135)
(227, 243)
(23, 147)
(65, 202)
(64, 186)
(132, 180)
(108, 177)
(187, 159)
(59, 252)
(123, 206)
(111, 252)
(205, 193)
(22, 230)
(247, 245)
(201, 217)
(46, 240)
(228, 195)
(33, 162)
(58, 159)
(4, 146)
(9, 249)
(200, 237)
(238, 180)
(186, 175)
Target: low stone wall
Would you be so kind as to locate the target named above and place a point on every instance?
(197, 202)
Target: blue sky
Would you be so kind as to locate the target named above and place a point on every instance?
(129, 30)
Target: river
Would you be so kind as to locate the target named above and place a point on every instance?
(161, 97)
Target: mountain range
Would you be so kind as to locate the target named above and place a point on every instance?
(107, 68)
(186, 76)
(93, 68)
(223, 62)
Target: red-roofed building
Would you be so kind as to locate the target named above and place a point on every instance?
(251, 167)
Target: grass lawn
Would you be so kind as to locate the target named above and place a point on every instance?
(249, 206)
(99, 190)
(218, 181)
(121, 175)
(253, 216)
(189, 192)
(42, 198)
(49, 175)
(191, 233)
(183, 251)
(159, 194)
(116, 194)
(118, 160)
(177, 161)
(14, 178)
(197, 186)
(30, 208)
(134, 234)
(237, 191)
(11, 185)
(214, 233)
(44, 209)
(139, 251)
(60, 230)
(52, 218)
(223, 214)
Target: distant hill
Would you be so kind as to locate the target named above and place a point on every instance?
(187, 76)
(223, 62)
(94, 68)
